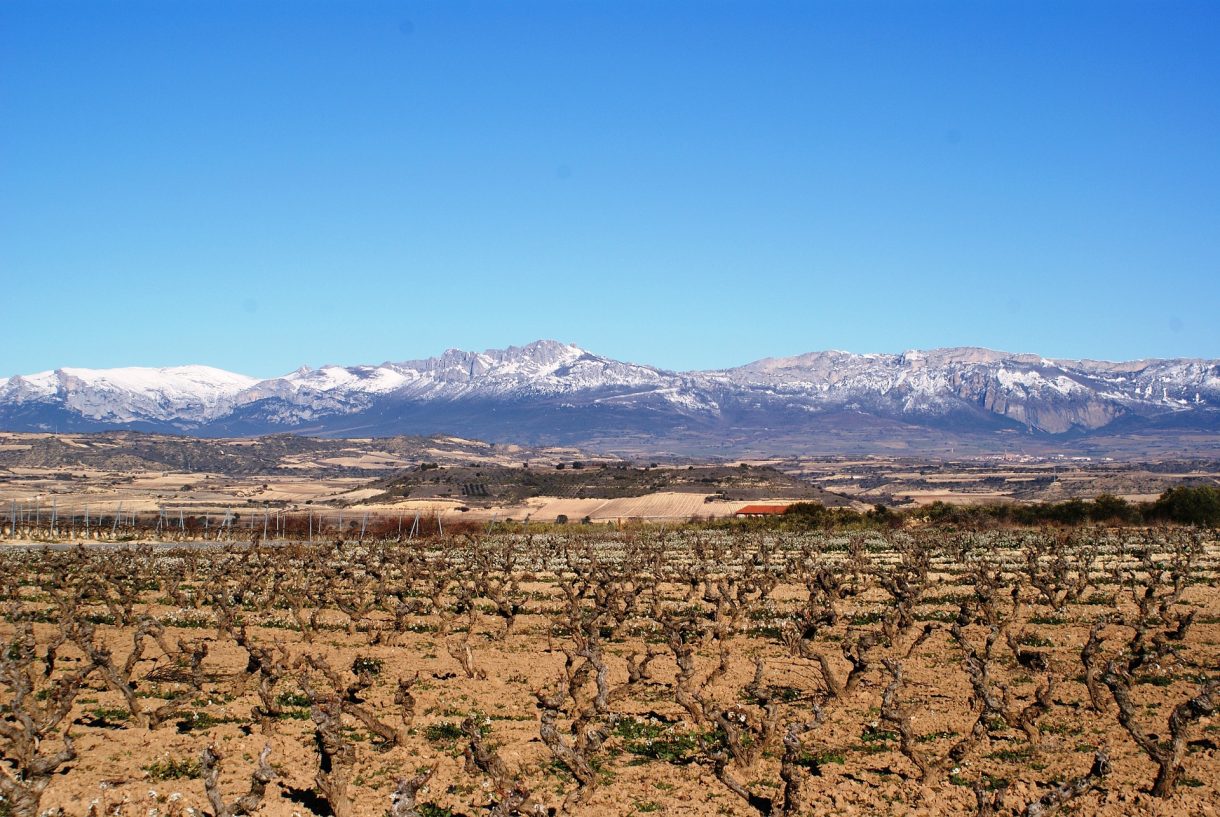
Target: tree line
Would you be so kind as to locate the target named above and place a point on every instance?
(1183, 505)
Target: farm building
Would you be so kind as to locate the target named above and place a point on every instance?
(761, 510)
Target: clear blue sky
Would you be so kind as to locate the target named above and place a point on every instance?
(259, 185)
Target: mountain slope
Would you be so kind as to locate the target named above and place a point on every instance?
(554, 393)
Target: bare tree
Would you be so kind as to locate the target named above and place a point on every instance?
(336, 757)
(1166, 754)
(510, 795)
(247, 803)
(35, 708)
(402, 801)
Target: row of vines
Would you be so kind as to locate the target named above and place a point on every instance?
(598, 672)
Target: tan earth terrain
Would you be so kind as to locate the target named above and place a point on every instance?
(688, 672)
(104, 475)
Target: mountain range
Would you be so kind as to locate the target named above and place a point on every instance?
(963, 400)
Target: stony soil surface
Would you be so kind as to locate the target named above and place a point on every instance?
(411, 611)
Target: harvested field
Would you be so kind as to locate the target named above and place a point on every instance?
(666, 505)
(72, 475)
(693, 672)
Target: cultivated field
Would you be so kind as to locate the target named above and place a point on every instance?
(74, 477)
(679, 672)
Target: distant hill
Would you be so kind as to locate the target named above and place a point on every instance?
(962, 400)
(280, 454)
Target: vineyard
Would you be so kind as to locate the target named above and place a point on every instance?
(592, 671)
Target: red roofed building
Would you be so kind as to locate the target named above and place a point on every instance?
(761, 510)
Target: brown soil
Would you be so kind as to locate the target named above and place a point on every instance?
(658, 758)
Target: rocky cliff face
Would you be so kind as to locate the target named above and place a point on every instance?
(559, 393)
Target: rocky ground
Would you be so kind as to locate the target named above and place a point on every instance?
(649, 672)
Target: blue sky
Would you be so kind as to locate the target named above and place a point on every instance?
(260, 185)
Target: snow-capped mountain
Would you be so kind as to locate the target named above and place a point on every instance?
(551, 392)
(180, 395)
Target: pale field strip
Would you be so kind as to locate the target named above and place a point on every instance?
(73, 489)
(658, 506)
(982, 497)
(218, 495)
(143, 492)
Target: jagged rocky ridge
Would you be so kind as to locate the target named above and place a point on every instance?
(555, 393)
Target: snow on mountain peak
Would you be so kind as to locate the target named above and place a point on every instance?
(134, 393)
(180, 379)
(1052, 395)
